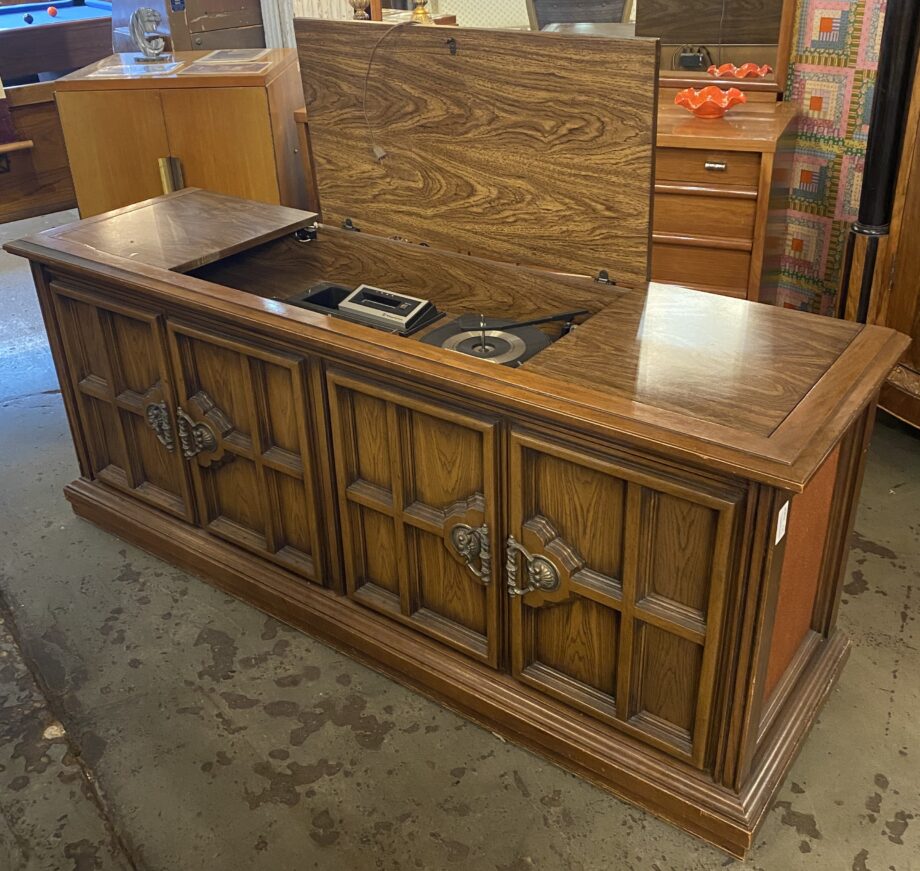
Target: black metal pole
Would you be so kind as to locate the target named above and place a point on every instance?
(890, 106)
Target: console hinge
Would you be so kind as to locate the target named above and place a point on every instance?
(306, 234)
(603, 277)
(348, 224)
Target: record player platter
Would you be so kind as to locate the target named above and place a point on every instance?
(492, 339)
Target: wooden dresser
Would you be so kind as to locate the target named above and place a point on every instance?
(229, 133)
(714, 182)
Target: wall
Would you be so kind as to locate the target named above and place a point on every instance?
(322, 9)
(487, 13)
(832, 76)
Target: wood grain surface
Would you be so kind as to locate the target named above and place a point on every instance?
(169, 235)
(502, 144)
(114, 141)
(752, 127)
(454, 283)
(200, 122)
(750, 378)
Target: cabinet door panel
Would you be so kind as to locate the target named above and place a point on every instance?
(629, 629)
(416, 484)
(249, 436)
(114, 140)
(231, 122)
(118, 366)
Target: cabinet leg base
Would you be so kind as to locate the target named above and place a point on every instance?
(595, 752)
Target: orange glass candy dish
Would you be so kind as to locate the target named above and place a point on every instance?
(745, 71)
(709, 102)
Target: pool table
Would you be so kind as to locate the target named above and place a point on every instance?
(80, 34)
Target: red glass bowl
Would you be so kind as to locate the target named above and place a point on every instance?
(709, 102)
(745, 71)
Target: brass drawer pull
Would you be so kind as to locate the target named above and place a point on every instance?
(472, 544)
(157, 416)
(715, 166)
(541, 573)
(171, 175)
(194, 437)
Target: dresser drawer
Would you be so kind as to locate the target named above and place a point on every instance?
(690, 215)
(723, 270)
(700, 166)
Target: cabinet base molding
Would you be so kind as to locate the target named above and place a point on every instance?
(641, 775)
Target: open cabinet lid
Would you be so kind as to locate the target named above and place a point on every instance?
(531, 148)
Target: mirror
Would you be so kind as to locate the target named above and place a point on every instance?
(694, 34)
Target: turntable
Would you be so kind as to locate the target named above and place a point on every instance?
(498, 340)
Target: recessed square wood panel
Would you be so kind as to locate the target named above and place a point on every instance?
(222, 372)
(585, 505)
(256, 485)
(376, 554)
(102, 419)
(411, 474)
(443, 588)
(296, 529)
(676, 552)
(279, 416)
(371, 461)
(229, 488)
(579, 639)
(666, 684)
(84, 331)
(445, 459)
(160, 466)
(138, 371)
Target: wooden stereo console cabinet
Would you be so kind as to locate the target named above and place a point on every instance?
(625, 554)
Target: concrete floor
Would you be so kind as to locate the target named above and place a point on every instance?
(148, 721)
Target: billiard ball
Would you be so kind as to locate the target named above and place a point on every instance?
(28, 19)
(52, 11)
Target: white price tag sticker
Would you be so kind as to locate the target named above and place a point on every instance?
(781, 519)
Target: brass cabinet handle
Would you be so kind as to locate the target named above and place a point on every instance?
(171, 175)
(471, 544)
(541, 573)
(194, 437)
(157, 416)
(715, 166)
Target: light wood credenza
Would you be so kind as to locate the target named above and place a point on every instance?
(231, 133)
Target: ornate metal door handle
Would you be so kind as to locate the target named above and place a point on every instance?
(157, 416)
(541, 573)
(194, 437)
(472, 543)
